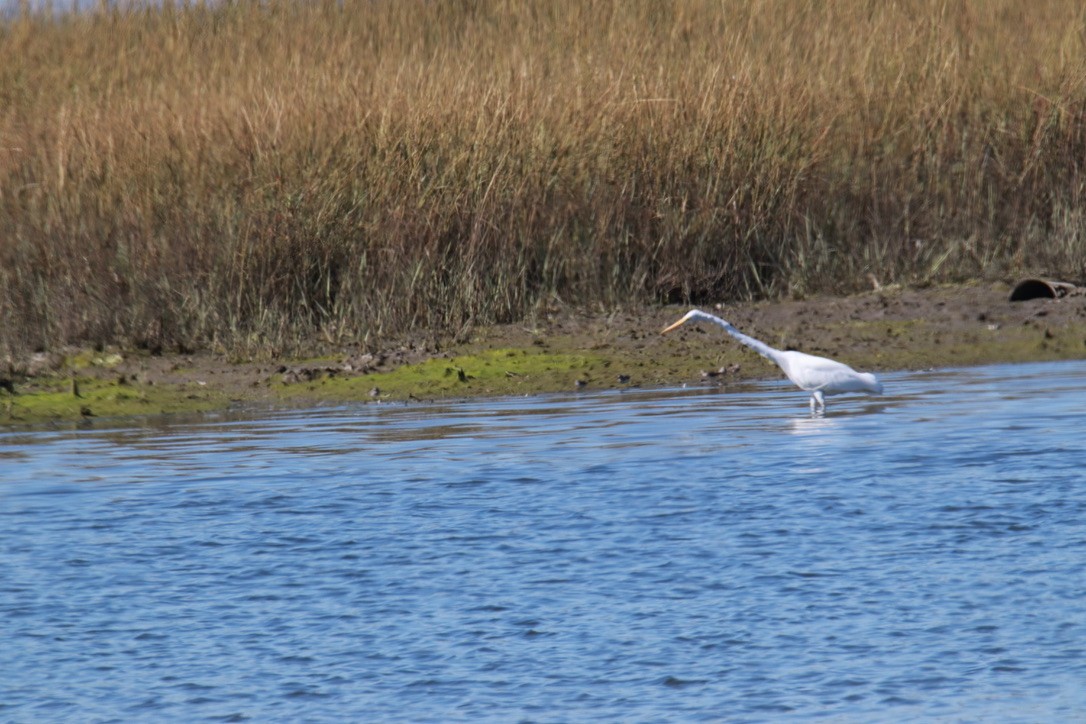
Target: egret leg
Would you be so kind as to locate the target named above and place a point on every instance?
(818, 402)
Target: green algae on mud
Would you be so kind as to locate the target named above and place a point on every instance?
(495, 372)
(66, 399)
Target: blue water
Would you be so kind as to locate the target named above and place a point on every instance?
(639, 556)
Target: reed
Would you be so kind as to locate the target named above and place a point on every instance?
(261, 177)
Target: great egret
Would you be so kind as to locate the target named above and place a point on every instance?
(818, 375)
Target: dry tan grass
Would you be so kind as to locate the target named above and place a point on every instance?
(258, 175)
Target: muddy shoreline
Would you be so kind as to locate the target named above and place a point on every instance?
(560, 350)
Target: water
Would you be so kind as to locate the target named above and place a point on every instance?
(637, 556)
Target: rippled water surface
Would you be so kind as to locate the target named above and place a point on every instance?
(636, 556)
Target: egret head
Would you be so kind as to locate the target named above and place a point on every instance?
(692, 314)
(871, 383)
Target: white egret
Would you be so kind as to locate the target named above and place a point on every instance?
(818, 375)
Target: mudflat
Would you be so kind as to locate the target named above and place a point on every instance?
(559, 349)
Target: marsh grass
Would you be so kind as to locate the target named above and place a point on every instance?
(259, 176)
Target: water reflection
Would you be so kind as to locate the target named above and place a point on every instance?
(814, 425)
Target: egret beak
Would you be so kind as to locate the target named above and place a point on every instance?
(674, 326)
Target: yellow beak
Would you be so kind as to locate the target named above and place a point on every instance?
(674, 326)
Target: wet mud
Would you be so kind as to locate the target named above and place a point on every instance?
(560, 350)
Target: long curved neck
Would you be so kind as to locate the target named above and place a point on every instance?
(770, 353)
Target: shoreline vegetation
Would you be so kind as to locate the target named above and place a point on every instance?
(571, 352)
(263, 181)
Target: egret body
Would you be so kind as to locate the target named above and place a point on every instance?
(818, 375)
